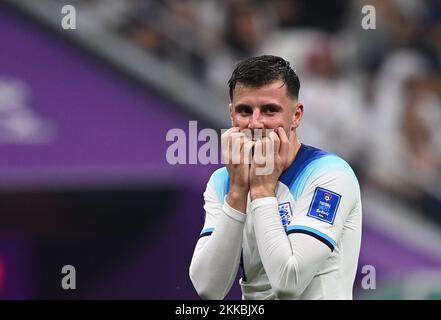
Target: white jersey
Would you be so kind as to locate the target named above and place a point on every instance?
(302, 244)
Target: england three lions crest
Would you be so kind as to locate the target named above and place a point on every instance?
(285, 213)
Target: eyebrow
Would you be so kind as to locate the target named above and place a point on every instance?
(267, 105)
(272, 105)
(240, 106)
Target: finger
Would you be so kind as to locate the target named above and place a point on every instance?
(258, 153)
(284, 142)
(245, 136)
(244, 157)
(236, 140)
(228, 132)
(226, 143)
(247, 132)
(244, 142)
(247, 151)
(225, 136)
(268, 147)
(275, 142)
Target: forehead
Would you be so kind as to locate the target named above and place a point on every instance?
(273, 92)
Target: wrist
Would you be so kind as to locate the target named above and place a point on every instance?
(259, 192)
(237, 199)
(237, 194)
(237, 190)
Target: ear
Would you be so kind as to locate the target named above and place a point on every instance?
(298, 115)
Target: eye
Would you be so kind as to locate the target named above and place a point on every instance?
(270, 109)
(244, 110)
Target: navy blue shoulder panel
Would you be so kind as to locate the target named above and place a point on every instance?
(305, 156)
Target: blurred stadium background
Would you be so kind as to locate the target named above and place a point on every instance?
(84, 114)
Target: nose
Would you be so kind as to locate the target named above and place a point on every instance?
(255, 121)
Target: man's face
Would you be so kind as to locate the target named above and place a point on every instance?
(266, 107)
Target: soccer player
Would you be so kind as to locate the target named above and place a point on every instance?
(295, 231)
